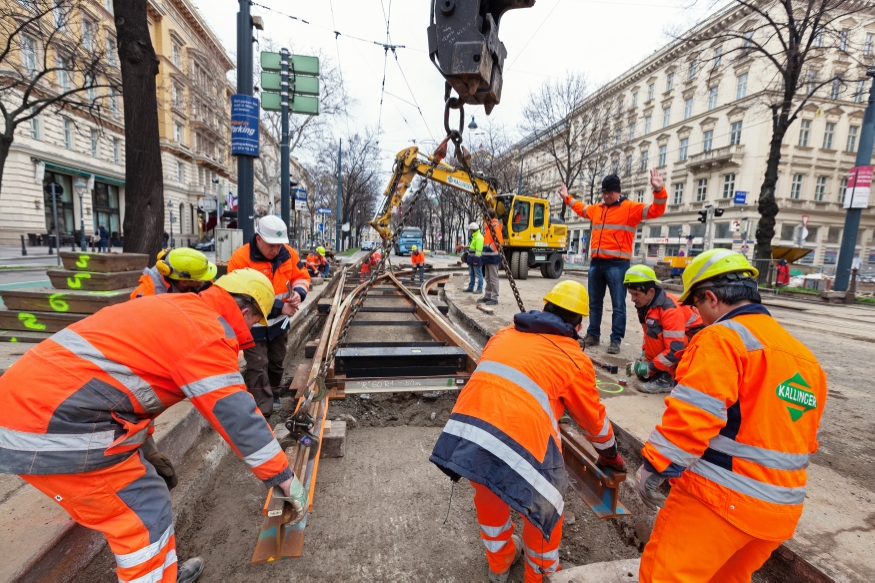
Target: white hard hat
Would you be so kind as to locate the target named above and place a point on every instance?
(473, 227)
(272, 230)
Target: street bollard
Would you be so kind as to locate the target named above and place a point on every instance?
(852, 288)
(23, 248)
(51, 245)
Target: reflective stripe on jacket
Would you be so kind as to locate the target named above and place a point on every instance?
(93, 389)
(286, 268)
(743, 421)
(666, 322)
(151, 283)
(614, 226)
(503, 431)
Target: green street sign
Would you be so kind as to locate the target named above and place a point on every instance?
(298, 64)
(302, 85)
(303, 104)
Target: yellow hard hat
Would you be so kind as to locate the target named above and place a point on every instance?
(640, 274)
(712, 263)
(252, 283)
(185, 263)
(570, 295)
(414, 248)
(320, 250)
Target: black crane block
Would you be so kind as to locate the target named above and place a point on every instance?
(463, 44)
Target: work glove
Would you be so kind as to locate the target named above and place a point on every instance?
(164, 467)
(640, 368)
(617, 462)
(646, 483)
(297, 498)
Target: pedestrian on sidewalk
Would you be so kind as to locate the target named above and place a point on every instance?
(736, 435)
(503, 432)
(177, 271)
(77, 413)
(491, 259)
(103, 239)
(475, 259)
(614, 223)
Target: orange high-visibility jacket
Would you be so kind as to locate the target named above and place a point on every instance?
(286, 268)
(417, 257)
(487, 236)
(373, 260)
(614, 226)
(151, 283)
(85, 398)
(743, 421)
(503, 431)
(666, 323)
(315, 261)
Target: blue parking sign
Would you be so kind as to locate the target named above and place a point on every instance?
(740, 197)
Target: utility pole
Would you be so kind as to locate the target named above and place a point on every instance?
(245, 164)
(285, 187)
(852, 218)
(337, 222)
(519, 187)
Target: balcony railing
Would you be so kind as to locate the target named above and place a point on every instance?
(726, 156)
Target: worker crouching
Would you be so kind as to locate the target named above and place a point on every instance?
(417, 257)
(317, 264)
(736, 436)
(667, 324)
(370, 262)
(503, 433)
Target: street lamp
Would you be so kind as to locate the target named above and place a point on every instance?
(170, 206)
(80, 190)
(473, 124)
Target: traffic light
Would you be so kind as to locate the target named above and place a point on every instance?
(718, 212)
(703, 216)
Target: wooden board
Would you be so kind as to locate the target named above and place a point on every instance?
(37, 321)
(104, 262)
(93, 280)
(31, 337)
(48, 299)
(333, 439)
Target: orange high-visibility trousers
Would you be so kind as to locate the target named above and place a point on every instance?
(130, 504)
(496, 528)
(691, 542)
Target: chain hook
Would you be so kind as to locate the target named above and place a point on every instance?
(454, 103)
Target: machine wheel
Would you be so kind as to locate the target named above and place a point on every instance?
(519, 265)
(554, 266)
(543, 267)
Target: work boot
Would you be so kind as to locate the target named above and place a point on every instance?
(590, 340)
(502, 577)
(277, 404)
(190, 570)
(467, 290)
(482, 299)
(491, 302)
(613, 348)
(661, 383)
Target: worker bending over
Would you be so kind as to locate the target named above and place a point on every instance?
(736, 436)
(371, 261)
(317, 264)
(667, 324)
(418, 259)
(269, 252)
(503, 433)
(614, 222)
(491, 258)
(475, 259)
(180, 270)
(76, 415)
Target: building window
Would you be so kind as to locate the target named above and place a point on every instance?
(741, 86)
(843, 40)
(663, 151)
(692, 71)
(111, 52)
(105, 201)
(113, 102)
(858, 91)
(787, 231)
(868, 43)
(647, 121)
(675, 230)
(702, 190)
(644, 157)
(61, 75)
(804, 132)
(628, 165)
(722, 231)
(108, 5)
(852, 139)
(88, 35)
(68, 134)
(678, 196)
(655, 231)
(28, 54)
(617, 136)
(712, 98)
(688, 108)
(707, 140)
(796, 187)
(639, 196)
(812, 82)
(650, 89)
(718, 56)
(179, 132)
(177, 55)
(94, 143)
(669, 82)
(728, 185)
(115, 151)
(632, 131)
(818, 40)
(615, 167)
(834, 234)
(835, 90)
(843, 190)
(180, 172)
(90, 91)
(635, 99)
(820, 189)
(748, 43)
(735, 133)
(666, 117)
(682, 152)
(59, 16)
(35, 130)
(828, 135)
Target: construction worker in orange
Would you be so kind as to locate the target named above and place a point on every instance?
(491, 257)
(503, 433)
(667, 325)
(317, 264)
(736, 435)
(180, 270)
(369, 262)
(77, 411)
(614, 223)
(269, 252)
(417, 257)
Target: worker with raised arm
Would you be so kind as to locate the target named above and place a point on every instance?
(269, 252)
(417, 257)
(503, 433)
(614, 223)
(491, 258)
(180, 270)
(475, 259)
(736, 435)
(77, 411)
(667, 325)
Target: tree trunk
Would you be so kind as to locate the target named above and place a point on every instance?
(5, 144)
(144, 176)
(768, 206)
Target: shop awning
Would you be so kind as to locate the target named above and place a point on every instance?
(791, 254)
(83, 173)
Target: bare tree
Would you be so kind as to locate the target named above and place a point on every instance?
(789, 37)
(49, 60)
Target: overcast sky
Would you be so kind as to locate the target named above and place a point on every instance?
(602, 38)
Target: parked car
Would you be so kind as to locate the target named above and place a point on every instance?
(369, 245)
(206, 245)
